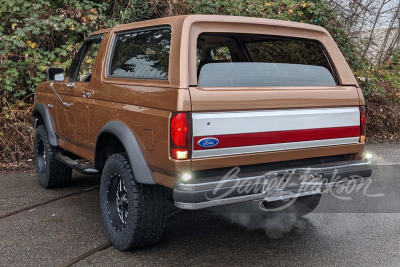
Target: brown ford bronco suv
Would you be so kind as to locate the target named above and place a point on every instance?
(213, 108)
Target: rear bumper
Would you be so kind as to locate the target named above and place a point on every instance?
(273, 185)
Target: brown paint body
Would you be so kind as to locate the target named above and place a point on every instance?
(145, 106)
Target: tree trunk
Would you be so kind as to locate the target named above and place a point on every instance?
(373, 28)
(389, 33)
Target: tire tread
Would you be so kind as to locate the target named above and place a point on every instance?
(149, 210)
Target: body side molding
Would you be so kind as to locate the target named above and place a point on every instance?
(143, 174)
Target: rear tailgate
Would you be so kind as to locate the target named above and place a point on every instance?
(239, 126)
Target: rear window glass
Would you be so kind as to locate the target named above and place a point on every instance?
(288, 52)
(261, 60)
(141, 55)
(242, 74)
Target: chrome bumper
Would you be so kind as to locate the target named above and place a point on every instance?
(271, 186)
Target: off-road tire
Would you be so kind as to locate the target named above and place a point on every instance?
(51, 173)
(300, 206)
(146, 206)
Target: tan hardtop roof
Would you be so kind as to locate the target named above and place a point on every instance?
(179, 20)
(186, 28)
(143, 24)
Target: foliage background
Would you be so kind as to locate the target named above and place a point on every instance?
(36, 33)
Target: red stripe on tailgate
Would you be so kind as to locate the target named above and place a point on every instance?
(265, 138)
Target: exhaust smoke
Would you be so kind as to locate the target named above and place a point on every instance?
(251, 217)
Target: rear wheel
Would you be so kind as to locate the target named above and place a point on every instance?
(51, 173)
(133, 214)
(300, 206)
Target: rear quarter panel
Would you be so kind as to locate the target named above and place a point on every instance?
(144, 106)
(146, 111)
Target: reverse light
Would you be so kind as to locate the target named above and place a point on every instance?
(368, 156)
(180, 136)
(179, 153)
(186, 177)
(362, 124)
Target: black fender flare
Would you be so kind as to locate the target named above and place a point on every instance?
(41, 109)
(142, 172)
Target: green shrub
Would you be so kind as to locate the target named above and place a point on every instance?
(39, 32)
(381, 84)
(34, 33)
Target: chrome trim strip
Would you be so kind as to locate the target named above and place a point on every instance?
(235, 122)
(212, 185)
(218, 202)
(271, 147)
(357, 164)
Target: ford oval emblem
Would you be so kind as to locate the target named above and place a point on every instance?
(208, 142)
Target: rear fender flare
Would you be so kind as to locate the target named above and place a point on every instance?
(142, 172)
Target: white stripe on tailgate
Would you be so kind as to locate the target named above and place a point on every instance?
(272, 147)
(217, 123)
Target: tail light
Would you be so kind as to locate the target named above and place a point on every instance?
(362, 124)
(180, 135)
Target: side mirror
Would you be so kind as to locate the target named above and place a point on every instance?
(55, 74)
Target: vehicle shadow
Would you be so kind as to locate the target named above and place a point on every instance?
(209, 237)
(81, 180)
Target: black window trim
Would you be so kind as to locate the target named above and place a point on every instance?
(82, 51)
(112, 47)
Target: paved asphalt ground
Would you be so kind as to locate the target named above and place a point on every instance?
(60, 227)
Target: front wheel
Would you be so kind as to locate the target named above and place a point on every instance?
(133, 214)
(51, 173)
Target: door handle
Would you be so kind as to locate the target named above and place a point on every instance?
(85, 94)
(70, 85)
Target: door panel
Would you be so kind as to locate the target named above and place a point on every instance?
(75, 92)
(73, 118)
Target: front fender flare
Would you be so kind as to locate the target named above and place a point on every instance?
(41, 109)
(143, 174)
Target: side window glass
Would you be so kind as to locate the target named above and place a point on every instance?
(141, 55)
(85, 70)
(81, 68)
